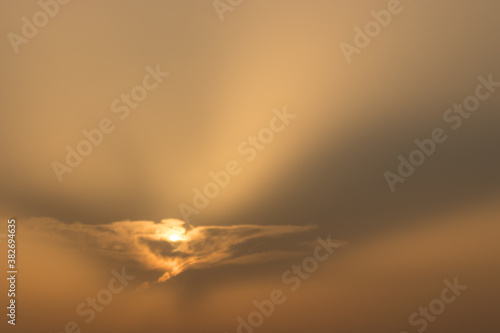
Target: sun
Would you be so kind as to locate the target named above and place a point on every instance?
(172, 230)
(175, 237)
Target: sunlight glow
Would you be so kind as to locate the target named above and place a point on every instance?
(175, 237)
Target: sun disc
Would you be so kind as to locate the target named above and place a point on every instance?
(175, 238)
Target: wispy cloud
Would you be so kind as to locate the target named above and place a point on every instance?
(171, 247)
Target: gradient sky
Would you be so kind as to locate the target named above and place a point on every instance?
(323, 175)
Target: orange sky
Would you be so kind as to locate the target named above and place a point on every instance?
(321, 174)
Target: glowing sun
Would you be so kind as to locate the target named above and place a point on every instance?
(175, 237)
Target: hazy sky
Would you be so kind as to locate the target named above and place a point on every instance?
(269, 64)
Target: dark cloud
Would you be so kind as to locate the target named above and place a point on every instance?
(170, 247)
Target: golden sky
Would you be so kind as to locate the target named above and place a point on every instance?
(328, 129)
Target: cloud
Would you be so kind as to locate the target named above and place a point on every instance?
(171, 247)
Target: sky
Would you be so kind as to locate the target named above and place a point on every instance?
(209, 148)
